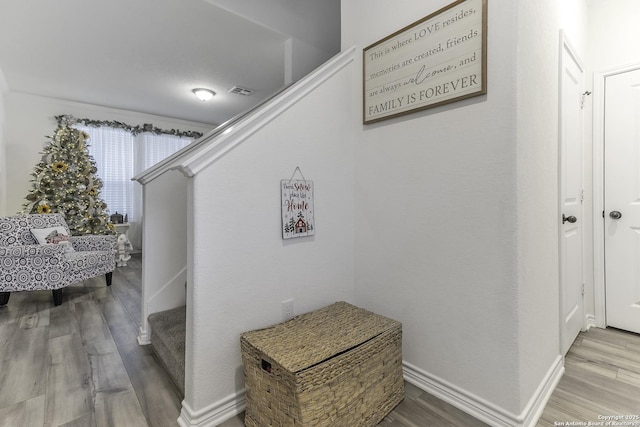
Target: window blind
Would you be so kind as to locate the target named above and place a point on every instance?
(119, 156)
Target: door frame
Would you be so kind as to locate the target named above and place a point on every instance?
(566, 46)
(599, 79)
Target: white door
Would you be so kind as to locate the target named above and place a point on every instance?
(571, 219)
(622, 200)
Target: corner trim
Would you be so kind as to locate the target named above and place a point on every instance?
(533, 411)
(144, 337)
(590, 322)
(214, 414)
(480, 408)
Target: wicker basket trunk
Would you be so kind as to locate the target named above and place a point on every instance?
(337, 366)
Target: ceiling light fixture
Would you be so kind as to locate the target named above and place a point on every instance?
(203, 94)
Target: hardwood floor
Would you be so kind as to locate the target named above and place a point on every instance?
(79, 365)
(602, 379)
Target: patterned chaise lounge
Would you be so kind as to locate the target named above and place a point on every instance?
(27, 265)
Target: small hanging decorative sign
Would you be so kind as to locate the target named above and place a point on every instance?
(297, 207)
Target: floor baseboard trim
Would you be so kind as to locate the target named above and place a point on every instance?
(215, 414)
(144, 338)
(475, 406)
(461, 399)
(590, 321)
(538, 401)
(480, 408)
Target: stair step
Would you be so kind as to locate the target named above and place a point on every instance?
(168, 329)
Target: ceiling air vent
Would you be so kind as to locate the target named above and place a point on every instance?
(241, 91)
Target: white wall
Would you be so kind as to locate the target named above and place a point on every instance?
(436, 203)
(574, 19)
(3, 163)
(30, 119)
(308, 22)
(537, 191)
(240, 268)
(165, 246)
(305, 58)
(613, 32)
(448, 239)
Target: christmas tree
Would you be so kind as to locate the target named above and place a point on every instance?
(65, 182)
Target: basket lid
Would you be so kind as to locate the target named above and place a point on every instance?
(311, 338)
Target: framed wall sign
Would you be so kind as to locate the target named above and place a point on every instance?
(297, 208)
(439, 59)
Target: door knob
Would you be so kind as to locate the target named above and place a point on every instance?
(615, 214)
(570, 219)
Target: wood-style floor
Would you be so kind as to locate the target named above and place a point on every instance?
(79, 365)
(601, 379)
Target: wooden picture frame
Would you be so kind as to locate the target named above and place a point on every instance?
(441, 58)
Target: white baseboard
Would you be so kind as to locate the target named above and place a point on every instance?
(214, 414)
(538, 401)
(219, 412)
(482, 409)
(590, 321)
(144, 337)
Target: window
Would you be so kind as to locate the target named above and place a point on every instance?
(120, 156)
(114, 153)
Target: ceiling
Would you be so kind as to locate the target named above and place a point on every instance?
(147, 55)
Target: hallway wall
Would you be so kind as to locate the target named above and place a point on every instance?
(434, 248)
(613, 33)
(457, 208)
(537, 229)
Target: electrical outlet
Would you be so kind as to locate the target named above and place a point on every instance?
(287, 309)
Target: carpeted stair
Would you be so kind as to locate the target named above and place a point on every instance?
(167, 339)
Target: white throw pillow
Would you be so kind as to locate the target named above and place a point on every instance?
(59, 235)
(41, 233)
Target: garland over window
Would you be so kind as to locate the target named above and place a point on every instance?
(69, 120)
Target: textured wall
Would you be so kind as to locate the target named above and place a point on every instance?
(449, 241)
(537, 190)
(436, 203)
(241, 269)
